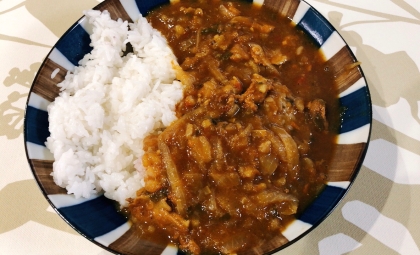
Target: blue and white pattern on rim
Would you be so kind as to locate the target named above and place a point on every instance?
(97, 218)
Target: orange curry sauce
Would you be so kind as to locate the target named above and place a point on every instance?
(256, 130)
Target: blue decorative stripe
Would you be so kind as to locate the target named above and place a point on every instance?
(93, 218)
(356, 110)
(323, 204)
(145, 6)
(316, 26)
(36, 126)
(74, 45)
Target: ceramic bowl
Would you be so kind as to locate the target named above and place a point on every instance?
(98, 219)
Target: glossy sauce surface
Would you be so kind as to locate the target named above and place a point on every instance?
(255, 133)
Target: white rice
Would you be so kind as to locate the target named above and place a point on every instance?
(108, 105)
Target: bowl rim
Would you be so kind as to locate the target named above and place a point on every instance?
(357, 166)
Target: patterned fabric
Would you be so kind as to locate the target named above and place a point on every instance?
(380, 213)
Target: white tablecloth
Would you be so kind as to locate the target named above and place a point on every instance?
(380, 214)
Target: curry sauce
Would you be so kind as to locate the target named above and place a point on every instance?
(255, 134)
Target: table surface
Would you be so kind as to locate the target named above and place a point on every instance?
(379, 215)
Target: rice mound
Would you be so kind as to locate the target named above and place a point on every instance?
(106, 107)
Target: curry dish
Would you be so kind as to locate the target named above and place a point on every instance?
(255, 133)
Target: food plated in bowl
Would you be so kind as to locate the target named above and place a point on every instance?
(253, 140)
